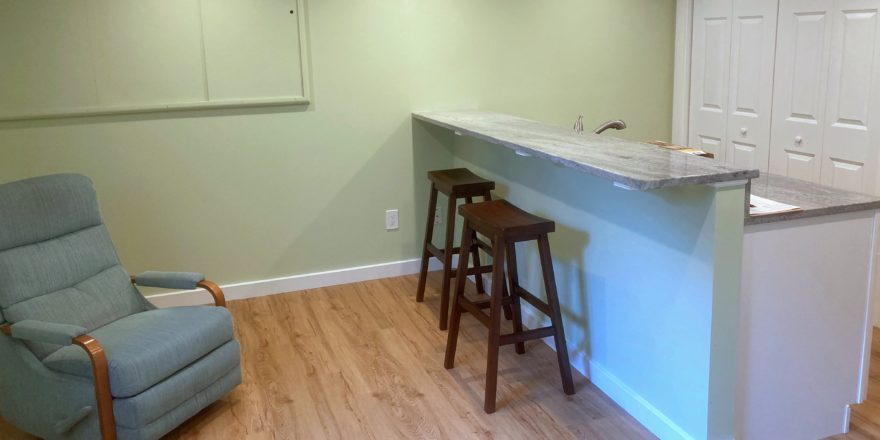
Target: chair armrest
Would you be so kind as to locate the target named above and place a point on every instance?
(47, 332)
(64, 334)
(215, 291)
(101, 375)
(181, 280)
(169, 280)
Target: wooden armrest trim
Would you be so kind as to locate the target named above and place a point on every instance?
(215, 290)
(101, 373)
(6, 329)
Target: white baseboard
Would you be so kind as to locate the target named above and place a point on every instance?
(294, 283)
(642, 410)
(648, 415)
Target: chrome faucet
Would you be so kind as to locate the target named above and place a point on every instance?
(579, 125)
(616, 124)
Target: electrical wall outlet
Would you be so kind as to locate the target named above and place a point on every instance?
(392, 220)
(438, 216)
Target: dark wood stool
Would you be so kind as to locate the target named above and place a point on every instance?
(506, 225)
(458, 183)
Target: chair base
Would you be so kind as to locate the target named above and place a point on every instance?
(183, 412)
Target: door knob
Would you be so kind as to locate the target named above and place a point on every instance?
(744, 131)
(798, 140)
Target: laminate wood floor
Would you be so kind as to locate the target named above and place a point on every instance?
(365, 361)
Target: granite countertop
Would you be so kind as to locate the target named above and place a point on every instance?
(814, 199)
(635, 165)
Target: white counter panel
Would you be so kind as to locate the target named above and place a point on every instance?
(805, 325)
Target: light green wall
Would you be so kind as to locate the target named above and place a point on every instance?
(253, 194)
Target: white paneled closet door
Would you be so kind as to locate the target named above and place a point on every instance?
(827, 93)
(753, 47)
(851, 141)
(710, 67)
(732, 79)
(802, 49)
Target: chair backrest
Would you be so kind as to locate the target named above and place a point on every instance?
(57, 262)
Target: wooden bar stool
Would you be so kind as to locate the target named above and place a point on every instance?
(506, 225)
(457, 183)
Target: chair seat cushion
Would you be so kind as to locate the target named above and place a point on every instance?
(146, 348)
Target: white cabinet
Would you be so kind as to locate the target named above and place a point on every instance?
(789, 86)
(805, 333)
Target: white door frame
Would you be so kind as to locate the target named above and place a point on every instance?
(681, 90)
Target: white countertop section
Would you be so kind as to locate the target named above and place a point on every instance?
(635, 165)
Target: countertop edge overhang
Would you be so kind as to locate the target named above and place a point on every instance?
(635, 165)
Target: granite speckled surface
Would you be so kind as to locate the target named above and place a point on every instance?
(636, 165)
(814, 199)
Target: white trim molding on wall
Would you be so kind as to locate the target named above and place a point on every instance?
(681, 96)
(294, 283)
(105, 103)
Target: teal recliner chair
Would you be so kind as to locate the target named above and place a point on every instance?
(82, 354)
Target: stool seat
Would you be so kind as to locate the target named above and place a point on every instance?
(501, 218)
(460, 182)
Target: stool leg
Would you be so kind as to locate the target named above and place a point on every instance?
(426, 256)
(447, 262)
(555, 314)
(478, 278)
(507, 308)
(455, 321)
(513, 276)
(508, 312)
(494, 325)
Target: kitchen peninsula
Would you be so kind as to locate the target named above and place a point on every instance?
(665, 289)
